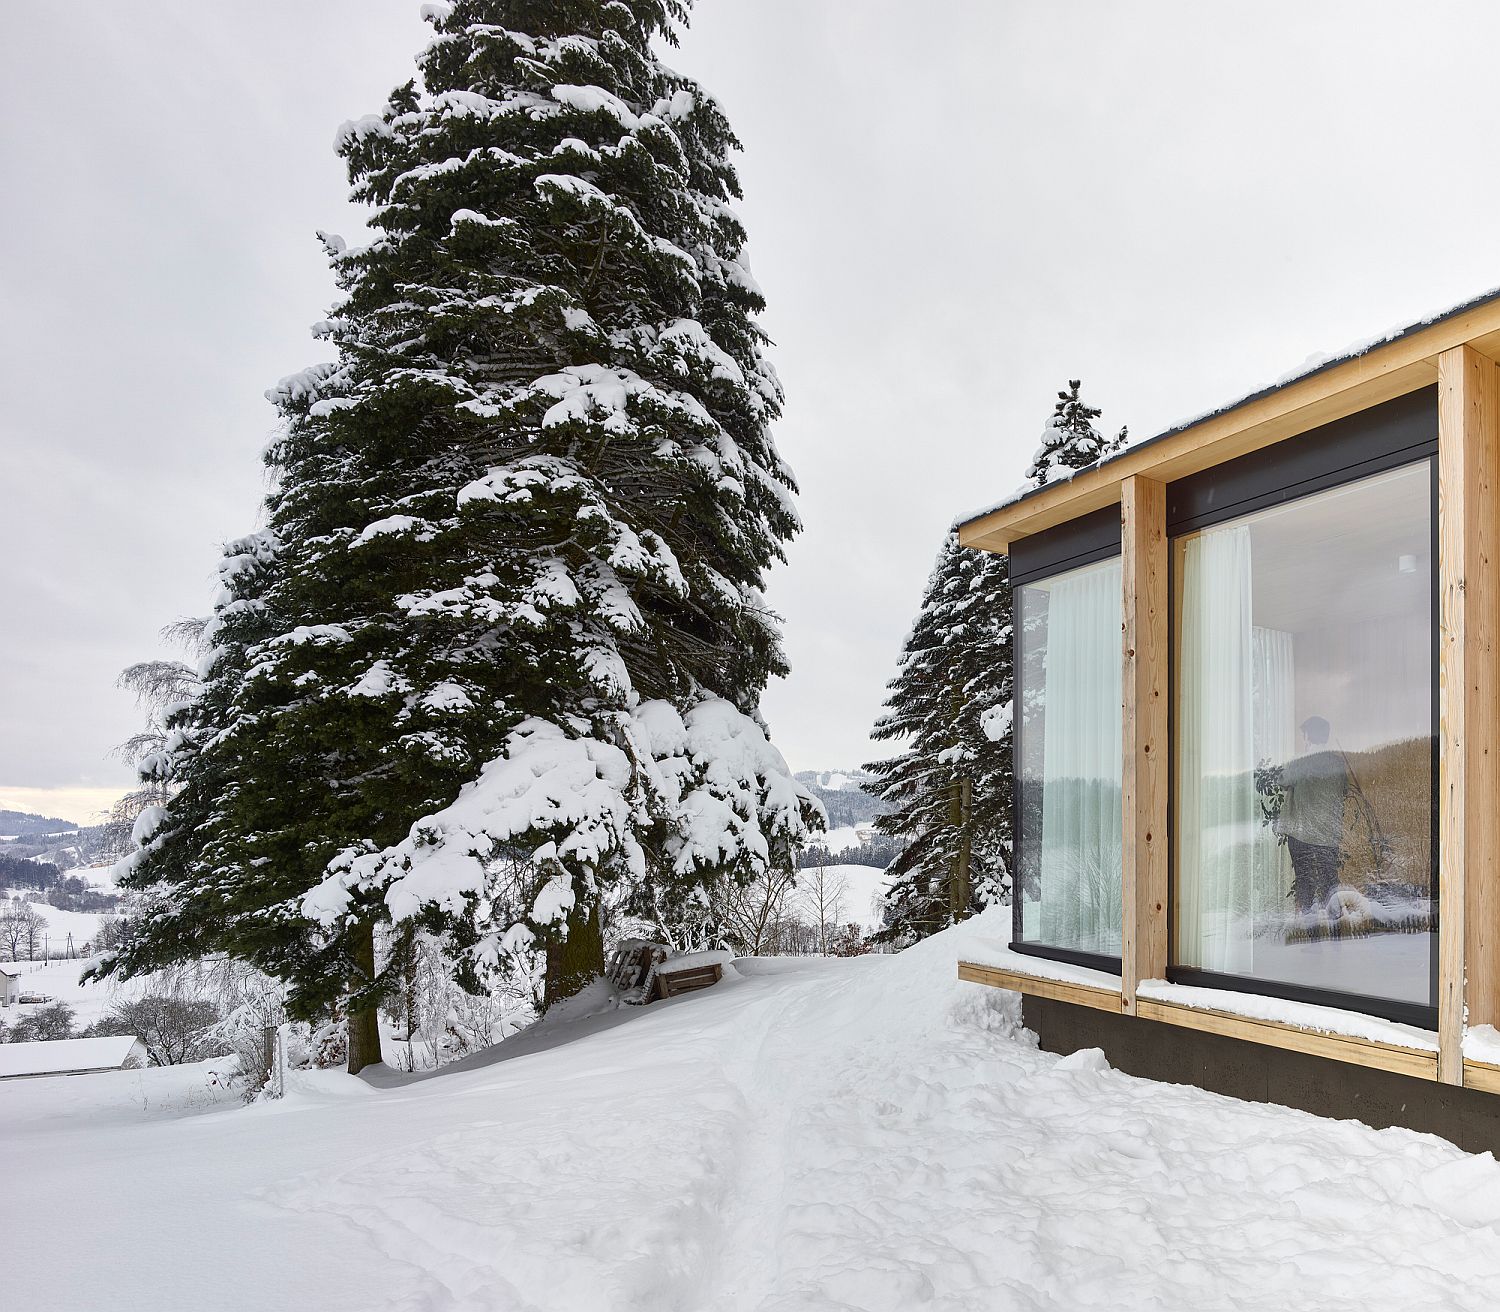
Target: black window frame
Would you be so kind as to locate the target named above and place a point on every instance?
(1086, 540)
(1393, 435)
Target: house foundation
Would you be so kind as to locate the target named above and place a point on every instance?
(1469, 1118)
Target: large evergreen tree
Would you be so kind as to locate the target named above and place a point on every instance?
(494, 663)
(950, 707)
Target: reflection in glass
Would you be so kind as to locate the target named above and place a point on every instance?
(1304, 734)
(1069, 759)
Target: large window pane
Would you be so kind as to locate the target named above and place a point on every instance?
(1069, 760)
(1304, 728)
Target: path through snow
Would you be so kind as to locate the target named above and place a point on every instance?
(861, 1135)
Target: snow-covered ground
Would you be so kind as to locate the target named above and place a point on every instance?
(844, 837)
(58, 980)
(860, 1134)
(82, 925)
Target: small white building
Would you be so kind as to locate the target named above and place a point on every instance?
(70, 1056)
(10, 983)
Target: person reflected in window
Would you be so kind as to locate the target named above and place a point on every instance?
(1312, 818)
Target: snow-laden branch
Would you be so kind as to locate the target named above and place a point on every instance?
(699, 792)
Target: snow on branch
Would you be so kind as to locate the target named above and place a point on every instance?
(700, 792)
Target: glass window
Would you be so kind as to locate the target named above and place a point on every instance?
(1305, 743)
(1069, 659)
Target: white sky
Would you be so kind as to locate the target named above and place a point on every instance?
(953, 208)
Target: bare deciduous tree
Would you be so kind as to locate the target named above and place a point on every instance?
(823, 891)
(22, 930)
(173, 1028)
(54, 1021)
(750, 913)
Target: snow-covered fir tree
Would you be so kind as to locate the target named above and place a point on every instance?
(950, 707)
(949, 785)
(1070, 441)
(493, 665)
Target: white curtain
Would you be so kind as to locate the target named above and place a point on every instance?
(1234, 709)
(1080, 849)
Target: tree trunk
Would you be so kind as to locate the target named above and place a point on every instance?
(955, 877)
(364, 1022)
(576, 960)
(964, 884)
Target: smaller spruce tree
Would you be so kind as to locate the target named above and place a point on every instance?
(951, 785)
(1070, 441)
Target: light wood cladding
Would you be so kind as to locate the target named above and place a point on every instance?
(1146, 576)
(1083, 995)
(1469, 709)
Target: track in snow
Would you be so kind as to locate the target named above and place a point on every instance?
(869, 1135)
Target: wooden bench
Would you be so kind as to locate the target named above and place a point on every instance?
(688, 981)
(647, 972)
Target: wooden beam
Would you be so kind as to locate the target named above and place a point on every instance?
(1469, 708)
(1145, 570)
(1481, 1075)
(1273, 1034)
(1389, 371)
(1083, 995)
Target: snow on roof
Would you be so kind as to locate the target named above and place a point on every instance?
(1314, 364)
(53, 1056)
(13, 968)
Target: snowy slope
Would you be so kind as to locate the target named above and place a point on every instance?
(59, 980)
(863, 1134)
(863, 902)
(82, 925)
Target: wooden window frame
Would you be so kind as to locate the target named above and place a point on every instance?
(1330, 474)
(1050, 564)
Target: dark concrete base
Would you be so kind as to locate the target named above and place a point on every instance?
(1170, 1053)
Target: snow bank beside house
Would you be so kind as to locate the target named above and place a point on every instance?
(997, 952)
(865, 1135)
(1482, 1043)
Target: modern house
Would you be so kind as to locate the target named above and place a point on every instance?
(10, 983)
(1257, 742)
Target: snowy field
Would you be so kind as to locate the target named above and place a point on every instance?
(59, 980)
(861, 1134)
(863, 900)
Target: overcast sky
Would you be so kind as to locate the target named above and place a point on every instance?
(953, 208)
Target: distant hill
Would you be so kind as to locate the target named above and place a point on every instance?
(843, 793)
(27, 824)
(46, 838)
(850, 811)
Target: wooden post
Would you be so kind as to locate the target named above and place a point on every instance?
(1469, 711)
(1146, 575)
